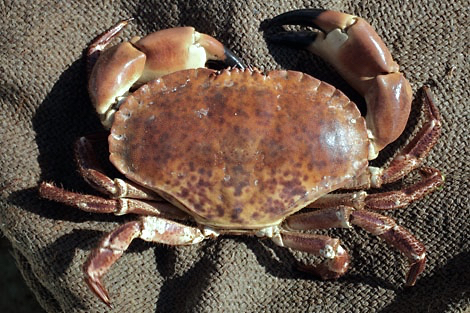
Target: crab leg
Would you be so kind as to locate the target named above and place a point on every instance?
(333, 217)
(374, 223)
(395, 235)
(353, 47)
(401, 198)
(121, 206)
(352, 199)
(94, 175)
(432, 179)
(337, 259)
(410, 157)
(113, 245)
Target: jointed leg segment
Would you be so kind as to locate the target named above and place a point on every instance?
(395, 235)
(121, 206)
(112, 246)
(91, 171)
(374, 223)
(337, 258)
(432, 179)
(411, 156)
(126, 197)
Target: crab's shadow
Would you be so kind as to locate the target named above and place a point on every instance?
(277, 261)
(64, 115)
(204, 269)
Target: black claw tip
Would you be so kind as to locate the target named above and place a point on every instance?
(232, 60)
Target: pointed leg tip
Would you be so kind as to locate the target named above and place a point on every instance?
(98, 289)
(130, 19)
(416, 269)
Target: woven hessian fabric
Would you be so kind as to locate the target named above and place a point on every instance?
(45, 108)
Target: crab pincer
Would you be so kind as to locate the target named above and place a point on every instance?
(130, 64)
(357, 52)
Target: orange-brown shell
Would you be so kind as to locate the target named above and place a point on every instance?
(239, 149)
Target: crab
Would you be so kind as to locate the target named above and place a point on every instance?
(206, 153)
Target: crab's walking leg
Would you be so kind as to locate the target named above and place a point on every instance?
(397, 236)
(374, 223)
(113, 245)
(121, 206)
(337, 259)
(351, 199)
(411, 156)
(432, 179)
(333, 217)
(89, 168)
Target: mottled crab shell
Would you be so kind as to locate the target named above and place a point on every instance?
(239, 149)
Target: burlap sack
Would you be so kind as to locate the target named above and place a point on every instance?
(45, 107)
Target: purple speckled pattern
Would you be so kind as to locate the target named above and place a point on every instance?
(239, 150)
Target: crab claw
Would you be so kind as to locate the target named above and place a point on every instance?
(353, 47)
(130, 64)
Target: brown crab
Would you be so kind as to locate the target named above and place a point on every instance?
(239, 152)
